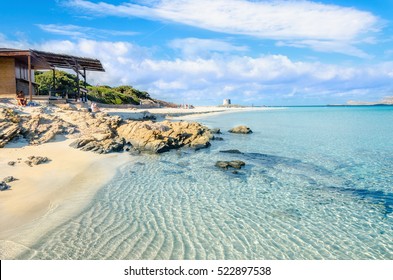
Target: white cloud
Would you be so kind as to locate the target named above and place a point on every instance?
(264, 19)
(195, 47)
(327, 46)
(82, 31)
(321, 27)
(269, 78)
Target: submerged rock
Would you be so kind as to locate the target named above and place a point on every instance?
(237, 164)
(232, 151)
(241, 129)
(215, 131)
(215, 138)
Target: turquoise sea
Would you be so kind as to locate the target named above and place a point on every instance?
(318, 184)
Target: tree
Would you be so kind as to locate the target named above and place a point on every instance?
(64, 82)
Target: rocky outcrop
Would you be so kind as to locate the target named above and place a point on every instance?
(101, 133)
(9, 126)
(163, 136)
(42, 128)
(237, 164)
(241, 129)
(100, 146)
(97, 132)
(36, 128)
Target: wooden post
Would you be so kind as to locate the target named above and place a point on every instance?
(84, 85)
(53, 82)
(29, 74)
(77, 85)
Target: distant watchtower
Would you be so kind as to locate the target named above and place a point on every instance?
(226, 102)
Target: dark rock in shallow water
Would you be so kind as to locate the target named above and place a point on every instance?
(232, 151)
(215, 131)
(222, 164)
(237, 164)
(241, 129)
(215, 138)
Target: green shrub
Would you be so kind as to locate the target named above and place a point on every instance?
(66, 83)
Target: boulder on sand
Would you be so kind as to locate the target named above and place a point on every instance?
(163, 136)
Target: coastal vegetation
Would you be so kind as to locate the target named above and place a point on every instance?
(67, 83)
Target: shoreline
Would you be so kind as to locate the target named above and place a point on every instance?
(47, 195)
(180, 113)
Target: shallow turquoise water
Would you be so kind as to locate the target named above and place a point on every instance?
(318, 184)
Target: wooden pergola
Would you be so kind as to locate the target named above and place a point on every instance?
(39, 60)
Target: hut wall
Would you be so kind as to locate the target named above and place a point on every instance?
(7, 76)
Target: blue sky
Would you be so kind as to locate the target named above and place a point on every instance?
(200, 52)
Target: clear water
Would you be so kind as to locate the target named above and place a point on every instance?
(317, 184)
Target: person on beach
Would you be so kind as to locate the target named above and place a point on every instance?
(94, 107)
(20, 97)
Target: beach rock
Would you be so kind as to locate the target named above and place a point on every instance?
(215, 131)
(9, 126)
(100, 132)
(215, 138)
(4, 186)
(241, 130)
(237, 164)
(163, 136)
(9, 179)
(222, 164)
(102, 146)
(11, 163)
(41, 128)
(232, 151)
(36, 160)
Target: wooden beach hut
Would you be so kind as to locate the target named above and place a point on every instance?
(17, 71)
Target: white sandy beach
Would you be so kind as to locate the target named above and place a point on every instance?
(46, 195)
(179, 113)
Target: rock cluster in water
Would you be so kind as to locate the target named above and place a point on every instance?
(241, 129)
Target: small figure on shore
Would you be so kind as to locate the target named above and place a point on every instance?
(94, 107)
(20, 97)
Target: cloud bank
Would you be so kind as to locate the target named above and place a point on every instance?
(320, 27)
